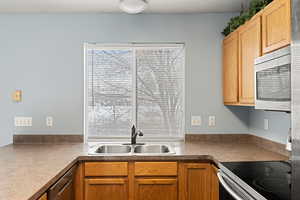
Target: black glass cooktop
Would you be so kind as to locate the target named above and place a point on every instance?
(271, 179)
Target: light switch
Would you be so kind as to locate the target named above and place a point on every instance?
(196, 121)
(17, 96)
(212, 121)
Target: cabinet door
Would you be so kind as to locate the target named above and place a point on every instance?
(155, 189)
(44, 197)
(214, 183)
(230, 69)
(276, 25)
(106, 189)
(194, 181)
(250, 49)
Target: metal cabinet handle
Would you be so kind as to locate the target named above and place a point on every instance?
(229, 190)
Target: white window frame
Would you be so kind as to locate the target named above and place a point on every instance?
(129, 46)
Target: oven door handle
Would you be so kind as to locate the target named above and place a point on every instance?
(227, 187)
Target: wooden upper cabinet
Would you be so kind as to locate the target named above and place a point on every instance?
(155, 189)
(195, 181)
(230, 69)
(249, 50)
(106, 189)
(268, 30)
(276, 25)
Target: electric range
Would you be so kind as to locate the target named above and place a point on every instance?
(255, 180)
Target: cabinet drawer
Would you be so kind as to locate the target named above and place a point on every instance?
(155, 169)
(106, 168)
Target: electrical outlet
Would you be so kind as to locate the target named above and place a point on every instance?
(266, 124)
(23, 121)
(196, 121)
(49, 121)
(212, 121)
(17, 121)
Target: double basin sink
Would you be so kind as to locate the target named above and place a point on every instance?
(124, 149)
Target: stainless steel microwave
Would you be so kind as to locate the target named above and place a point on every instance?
(273, 81)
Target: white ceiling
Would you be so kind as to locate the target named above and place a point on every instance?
(155, 6)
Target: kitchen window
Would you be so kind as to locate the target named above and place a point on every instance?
(140, 84)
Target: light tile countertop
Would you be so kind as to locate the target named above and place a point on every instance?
(27, 171)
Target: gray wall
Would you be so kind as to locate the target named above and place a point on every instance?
(6, 107)
(42, 54)
(279, 124)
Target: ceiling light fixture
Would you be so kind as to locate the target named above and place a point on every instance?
(133, 6)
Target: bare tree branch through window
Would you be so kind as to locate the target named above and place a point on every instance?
(158, 84)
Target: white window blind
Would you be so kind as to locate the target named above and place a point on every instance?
(135, 84)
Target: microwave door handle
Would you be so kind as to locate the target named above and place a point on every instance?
(229, 190)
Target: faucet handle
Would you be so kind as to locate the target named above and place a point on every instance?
(140, 133)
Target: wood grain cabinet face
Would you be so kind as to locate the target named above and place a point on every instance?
(194, 181)
(106, 189)
(148, 181)
(44, 197)
(106, 169)
(249, 50)
(230, 69)
(214, 184)
(155, 189)
(155, 169)
(276, 25)
(268, 30)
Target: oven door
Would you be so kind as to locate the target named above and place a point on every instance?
(273, 84)
(229, 190)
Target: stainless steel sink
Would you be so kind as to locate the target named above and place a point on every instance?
(152, 149)
(121, 149)
(113, 149)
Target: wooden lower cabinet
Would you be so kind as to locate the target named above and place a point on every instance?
(155, 189)
(195, 181)
(44, 197)
(106, 189)
(215, 193)
(155, 169)
(151, 181)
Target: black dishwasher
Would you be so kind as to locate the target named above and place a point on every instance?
(63, 189)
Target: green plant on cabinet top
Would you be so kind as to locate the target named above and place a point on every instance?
(254, 7)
